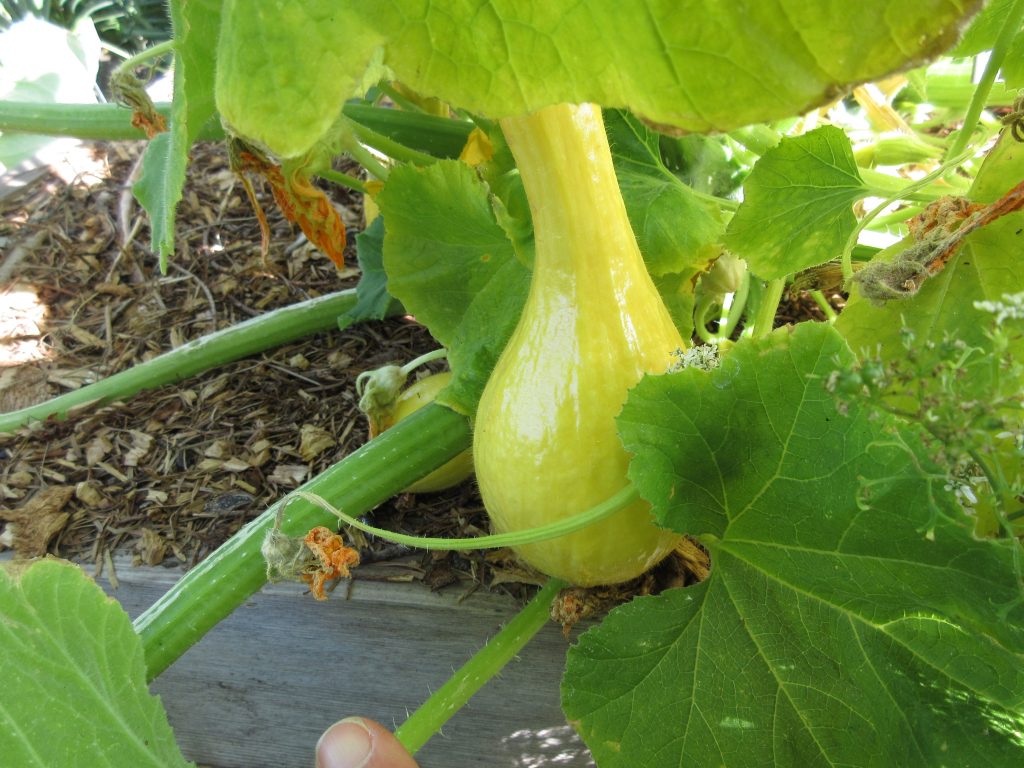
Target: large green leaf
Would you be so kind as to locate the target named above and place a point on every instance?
(850, 617)
(286, 68)
(676, 230)
(196, 26)
(74, 678)
(797, 210)
(451, 264)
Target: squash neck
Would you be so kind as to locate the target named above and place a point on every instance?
(579, 220)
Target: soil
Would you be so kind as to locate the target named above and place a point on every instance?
(171, 473)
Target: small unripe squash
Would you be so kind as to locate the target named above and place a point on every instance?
(410, 400)
(545, 443)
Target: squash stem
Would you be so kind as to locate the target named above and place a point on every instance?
(378, 470)
(475, 673)
(342, 179)
(767, 309)
(264, 332)
(140, 58)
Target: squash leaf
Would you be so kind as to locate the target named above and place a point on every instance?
(452, 266)
(283, 75)
(74, 676)
(797, 210)
(677, 231)
(832, 630)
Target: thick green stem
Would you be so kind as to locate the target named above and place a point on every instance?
(769, 306)
(739, 303)
(392, 148)
(823, 305)
(437, 136)
(475, 673)
(378, 470)
(1011, 25)
(102, 122)
(264, 332)
(884, 185)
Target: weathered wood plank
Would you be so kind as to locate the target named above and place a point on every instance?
(259, 689)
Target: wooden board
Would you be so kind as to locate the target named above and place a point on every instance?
(261, 687)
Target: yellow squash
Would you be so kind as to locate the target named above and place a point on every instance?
(545, 444)
(410, 400)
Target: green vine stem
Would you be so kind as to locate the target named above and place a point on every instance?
(475, 673)
(764, 320)
(563, 527)
(99, 122)
(1011, 25)
(739, 304)
(140, 58)
(359, 482)
(342, 179)
(391, 148)
(264, 332)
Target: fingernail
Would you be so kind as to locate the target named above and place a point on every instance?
(346, 744)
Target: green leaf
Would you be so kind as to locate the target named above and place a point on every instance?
(797, 210)
(693, 64)
(1013, 66)
(983, 30)
(452, 266)
(196, 26)
(74, 678)
(676, 230)
(372, 298)
(286, 68)
(832, 630)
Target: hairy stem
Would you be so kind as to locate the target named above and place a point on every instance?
(381, 468)
(475, 673)
(104, 122)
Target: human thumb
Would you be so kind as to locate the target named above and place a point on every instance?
(356, 742)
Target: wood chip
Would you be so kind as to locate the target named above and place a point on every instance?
(313, 441)
(97, 450)
(89, 494)
(151, 547)
(38, 520)
(141, 445)
(289, 475)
